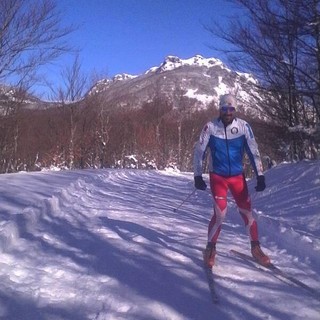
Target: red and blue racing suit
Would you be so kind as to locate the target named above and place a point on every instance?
(227, 146)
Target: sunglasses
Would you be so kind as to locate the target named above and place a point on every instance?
(228, 109)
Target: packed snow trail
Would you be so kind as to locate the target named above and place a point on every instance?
(107, 244)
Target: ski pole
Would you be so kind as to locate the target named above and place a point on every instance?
(182, 203)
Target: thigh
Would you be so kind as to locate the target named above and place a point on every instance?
(219, 190)
(239, 189)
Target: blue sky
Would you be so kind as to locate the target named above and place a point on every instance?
(131, 36)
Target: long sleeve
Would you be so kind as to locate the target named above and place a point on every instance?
(253, 151)
(200, 149)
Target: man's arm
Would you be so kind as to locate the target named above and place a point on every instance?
(253, 151)
(200, 150)
(255, 158)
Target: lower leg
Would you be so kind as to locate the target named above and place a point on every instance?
(215, 224)
(250, 224)
(209, 254)
(219, 192)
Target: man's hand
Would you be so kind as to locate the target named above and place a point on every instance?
(261, 184)
(199, 183)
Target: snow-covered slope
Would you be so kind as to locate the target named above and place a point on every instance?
(107, 244)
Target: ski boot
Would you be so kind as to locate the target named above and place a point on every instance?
(259, 255)
(209, 254)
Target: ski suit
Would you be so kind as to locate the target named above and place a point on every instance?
(226, 145)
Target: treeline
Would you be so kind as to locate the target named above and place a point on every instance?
(87, 134)
(90, 134)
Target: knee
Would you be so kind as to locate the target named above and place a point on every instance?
(220, 212)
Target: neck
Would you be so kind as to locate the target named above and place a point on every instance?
(225, 123)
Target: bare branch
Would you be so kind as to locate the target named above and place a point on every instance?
(30, 36)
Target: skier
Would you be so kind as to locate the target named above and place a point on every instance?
(227, 137)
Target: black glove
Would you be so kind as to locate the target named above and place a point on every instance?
(199, 183)
(261, 184)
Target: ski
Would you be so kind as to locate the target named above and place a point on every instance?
(211, 283)
(278, 272)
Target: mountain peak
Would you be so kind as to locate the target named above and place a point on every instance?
(122, 76)
(173, 62)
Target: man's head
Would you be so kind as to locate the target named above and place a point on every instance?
(227, 108)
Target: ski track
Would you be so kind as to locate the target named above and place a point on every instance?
(107, 245)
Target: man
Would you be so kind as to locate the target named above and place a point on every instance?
(227, 138)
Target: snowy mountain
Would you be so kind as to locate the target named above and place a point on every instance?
(201, 80)
(107, 245)
(192, 83)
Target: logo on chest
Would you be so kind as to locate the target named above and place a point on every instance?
(234, 130)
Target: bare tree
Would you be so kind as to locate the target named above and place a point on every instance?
(75, 85)
(30, 36)
(278, 42)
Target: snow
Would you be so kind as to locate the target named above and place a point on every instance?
(173, 62)
(222, 88)
(204, 98)
(107, 244)
(123, 76)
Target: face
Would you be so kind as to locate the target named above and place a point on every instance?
(227, 114)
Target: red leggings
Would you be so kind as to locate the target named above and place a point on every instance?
(239, 190)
